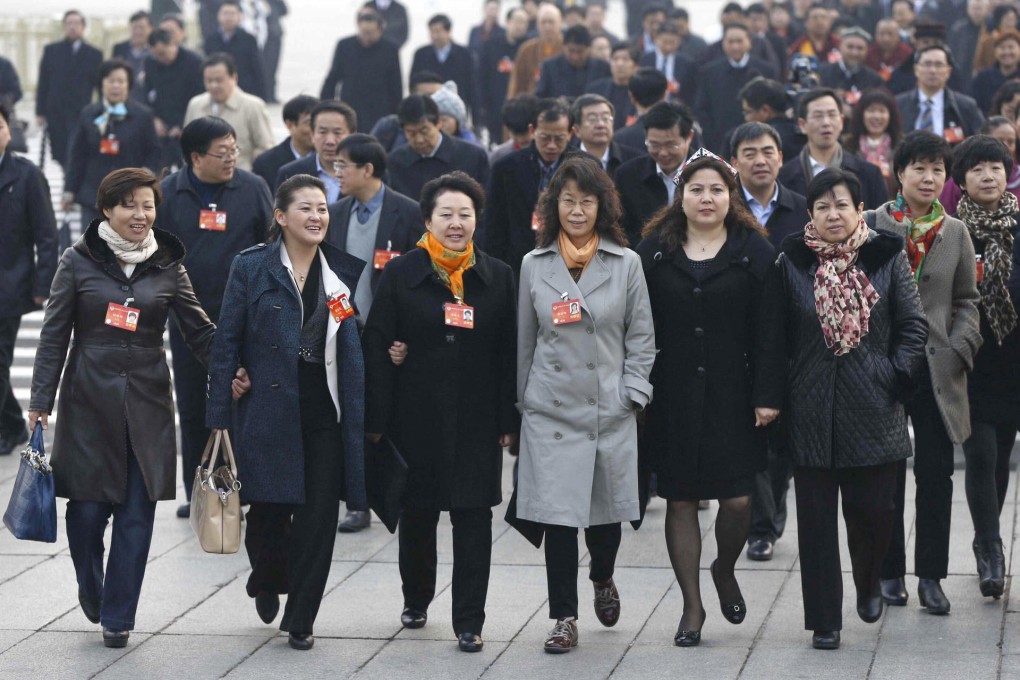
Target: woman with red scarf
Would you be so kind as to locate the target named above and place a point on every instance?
(842, 304)
(942, 260)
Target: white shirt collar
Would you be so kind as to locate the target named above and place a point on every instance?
(605, 156)
(938, 99)
(740, 64)
(775, 191)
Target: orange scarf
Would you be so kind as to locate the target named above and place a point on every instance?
(574, 257)
(449, 265)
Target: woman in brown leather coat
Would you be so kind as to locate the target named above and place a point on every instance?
(115, 449)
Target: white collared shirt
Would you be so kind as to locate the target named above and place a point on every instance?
(938, 110)
(816, 166)
(665, 63)
(667, 179)
(740, 64)
(605, 156)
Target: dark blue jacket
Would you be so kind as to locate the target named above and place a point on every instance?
(269, 162)
(251, 70)
(260, 329)
(28, 236)
(558, 78)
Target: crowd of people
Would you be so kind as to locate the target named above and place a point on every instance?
(644, 265)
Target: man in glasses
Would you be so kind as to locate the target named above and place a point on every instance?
(593, 117)
(222, 98)
(932, 105)
(216, 210)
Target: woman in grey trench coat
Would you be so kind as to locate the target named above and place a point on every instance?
(115, 450)
(585, 352)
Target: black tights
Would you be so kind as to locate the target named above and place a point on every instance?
(683, 540)
(987, 452)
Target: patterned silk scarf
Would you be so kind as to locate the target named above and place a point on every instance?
(923, 230)
(995, 230)
(843, 294)
(449, 265)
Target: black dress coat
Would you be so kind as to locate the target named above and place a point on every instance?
(874, 191)
(618, 154)
(244, 48)
(66, 83)
(446, 406)
(116, 382)
(169, 87)
(713, 366)
(846, 411)
(28, 236)
(400, 226)
(367, 78)
(959, 110)
(86, 166)
(865, 78)
(510, 201)
(493, 79)
(789, 217)
(685, 75)
(619, 96)
(558, 78)
(718, 107)
(458, 67)
(269, 162)
(305, 165)
(642, 193)
(409, 172)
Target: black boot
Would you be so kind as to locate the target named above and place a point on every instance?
(995, 583)
(981, 557)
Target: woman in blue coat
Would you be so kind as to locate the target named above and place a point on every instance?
(287, 318)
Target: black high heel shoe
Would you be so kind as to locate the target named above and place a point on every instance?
(689, 638)
(734, 612)
(994, 584)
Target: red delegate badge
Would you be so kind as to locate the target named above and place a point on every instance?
(340, 307)
(980, 268)
(109, 146)
(953, 135)
(382, 257)
(459, 315)
(566, 311)
(212, 219)
(122, 316)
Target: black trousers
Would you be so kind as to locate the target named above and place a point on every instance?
(933, 474)
(472, 553)
(768, 502)
(561, 557)
(868, 511)
(11, 420)
(987, 452)
(290, 547)
(189, 387)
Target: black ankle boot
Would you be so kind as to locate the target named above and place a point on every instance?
(981, 557)
(995, 584)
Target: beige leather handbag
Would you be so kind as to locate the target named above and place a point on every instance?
(215, 499)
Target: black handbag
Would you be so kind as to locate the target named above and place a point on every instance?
(32, 512)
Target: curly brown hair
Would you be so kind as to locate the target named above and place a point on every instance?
(591, 179)
(669, 224)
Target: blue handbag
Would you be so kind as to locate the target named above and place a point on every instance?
(32, 513)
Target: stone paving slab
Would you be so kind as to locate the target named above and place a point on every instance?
(172, 657)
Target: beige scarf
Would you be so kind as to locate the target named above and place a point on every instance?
(131, 252)
(574, 257)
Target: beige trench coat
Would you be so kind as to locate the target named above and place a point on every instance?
(579, 386)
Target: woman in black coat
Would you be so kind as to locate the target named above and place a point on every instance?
(115, 132)
(705, 260)
(843, 305)
(449, 407)
(115, 450)
(981, 165)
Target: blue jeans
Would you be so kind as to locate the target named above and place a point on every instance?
(129, 549)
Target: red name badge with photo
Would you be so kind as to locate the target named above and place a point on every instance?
(673, 87)
(852, 97)
(980, 268)
(382, 257)
(566, 311)
(460, 316)
(340, 307)
(886, 72)
(212, 220)
(506, 65)
(953, 135)
(109, 146)
(122, 316)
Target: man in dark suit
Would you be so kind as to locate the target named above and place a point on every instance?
(494, 68)
(622, 66)
(446, 58)
(933, 106)
(367, 68)
(766, 101)
(757, 156)
(373, 223)
(173, 77)
(850, 76)
(569, 74)
(394, 17)
(820, 116)
(645, 184)
(297, 117)
(717, 103)
(237, 42)
(593, 132)
(68, 75)
(679, 69)
(429, 152)
(647, 88)
(135, 51)
(518, 180)
(331, 122)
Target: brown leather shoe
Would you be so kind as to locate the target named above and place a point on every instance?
(563, 637)
(607, 603)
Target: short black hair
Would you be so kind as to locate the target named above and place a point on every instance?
(370, 15)
(814, 6)
(941, 47)
(160, 36)
(680, 13)
(1005, 93)
(361, 149)
(827, 180)
(732, 8)
(922, 145)
(220, 58)
(198, 135)
(74, 13)
(668, 27)
(1001, 11)
(115, 64)
(419, 77)
(139, 15)
(625, 47)
(979, 149)
(235, 3)
(753, 130)
(647, 86)
(654, 8)
(417, 108)
(667, 115)
(814, 95)
(298, 106)
(550, 110)
(442, 20)
(993, 122)
(452, 181)
(738, 26)
(577, 35)
(761, 92)
(175, 17)
(575, 9)
(337, 106)
(519, 112)
(586, 100)
(756, 8)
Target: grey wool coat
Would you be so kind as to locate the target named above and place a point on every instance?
(579, 386)
(949, 295)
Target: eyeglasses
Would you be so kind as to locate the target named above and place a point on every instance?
(543, 138)
(231, 154)
(593, 118)
(340, 166)
(656, 147)
(587, 204)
